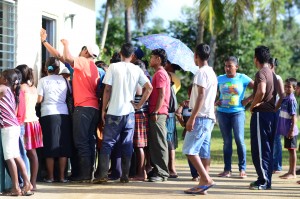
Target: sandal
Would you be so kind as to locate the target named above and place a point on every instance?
(27, 193)
(63, 181)
(200, 189)
(11, 193)
(48, 180)
(225, 174)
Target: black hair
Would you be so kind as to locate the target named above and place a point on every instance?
(162, 54)
(141, 64)
(115, 58)
(273, 62)
(27, 74)
(175, 66)
(52, 65)
(203, 51)
(233, 59)
(44, 71)
(262, 54)
(13, 82)
(127, 50)
(291, 81)
(298, 84)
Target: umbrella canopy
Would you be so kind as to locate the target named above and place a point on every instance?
(177, 52)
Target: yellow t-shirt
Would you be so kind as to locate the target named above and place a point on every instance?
(177, 85)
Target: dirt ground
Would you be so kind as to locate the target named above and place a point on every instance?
(232, 187)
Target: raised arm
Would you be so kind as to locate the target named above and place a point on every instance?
(48, 46)
(67, 55)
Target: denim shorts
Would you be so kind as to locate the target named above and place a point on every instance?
(197, 142)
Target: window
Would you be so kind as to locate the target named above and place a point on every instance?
(48, 24)
(7, 34)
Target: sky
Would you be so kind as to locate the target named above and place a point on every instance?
(168, 9)
(165, 9)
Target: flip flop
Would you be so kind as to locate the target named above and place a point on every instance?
(195, 190)
(27, 193)
(173, 176)
(11, 194)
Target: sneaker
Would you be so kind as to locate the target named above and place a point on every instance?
(225, 174)
(157, 179)
(255, 186)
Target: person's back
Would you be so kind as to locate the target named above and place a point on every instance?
(268, 102)
(125, 78)
(85, 80)
(54, 91)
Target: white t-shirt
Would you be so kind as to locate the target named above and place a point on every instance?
(206, 78)
(124, 79)
(53, 88)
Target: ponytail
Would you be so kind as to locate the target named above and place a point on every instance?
(17, 89)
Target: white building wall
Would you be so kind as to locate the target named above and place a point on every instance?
(29, 23)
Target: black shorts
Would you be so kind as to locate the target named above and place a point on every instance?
(290, 143)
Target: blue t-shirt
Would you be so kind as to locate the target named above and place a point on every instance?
(232, 91)
(288, 108)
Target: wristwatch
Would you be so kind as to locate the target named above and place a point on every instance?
(154, 113)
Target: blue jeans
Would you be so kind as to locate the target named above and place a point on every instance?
(23, 154)
(118, 128)
(227, 123)
(197, 141)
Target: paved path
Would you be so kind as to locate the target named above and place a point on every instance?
(231, 188)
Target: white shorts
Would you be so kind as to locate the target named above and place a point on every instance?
(10, 142)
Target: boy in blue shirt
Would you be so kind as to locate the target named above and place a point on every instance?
(287, 125)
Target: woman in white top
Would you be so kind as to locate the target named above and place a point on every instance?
(55, 120)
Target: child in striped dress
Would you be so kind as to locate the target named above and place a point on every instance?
(10, 131)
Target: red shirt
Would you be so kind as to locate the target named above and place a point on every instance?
(160, 80)
(21, 108)
(85, 81)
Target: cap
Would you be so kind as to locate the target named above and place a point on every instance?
(65, 71)
(93, 50)
(138, 53)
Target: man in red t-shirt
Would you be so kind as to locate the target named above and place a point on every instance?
(158, 109)
(86, 113)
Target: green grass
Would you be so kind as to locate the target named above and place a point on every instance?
(217, 146)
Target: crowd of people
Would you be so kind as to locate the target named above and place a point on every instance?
(117, 122)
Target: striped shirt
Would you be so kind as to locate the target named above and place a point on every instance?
(7, 110)
(287, 110)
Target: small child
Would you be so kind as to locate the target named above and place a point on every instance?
(287, 125)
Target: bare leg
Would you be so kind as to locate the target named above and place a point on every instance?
(22, 168)
(293, 160)
(34, 166)
(148, 166)
(292, 169)
(140, 164)
(12, 167)
(62, 167)
(172, 169)
(50, 168)
(206, 164)
(205, 179)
